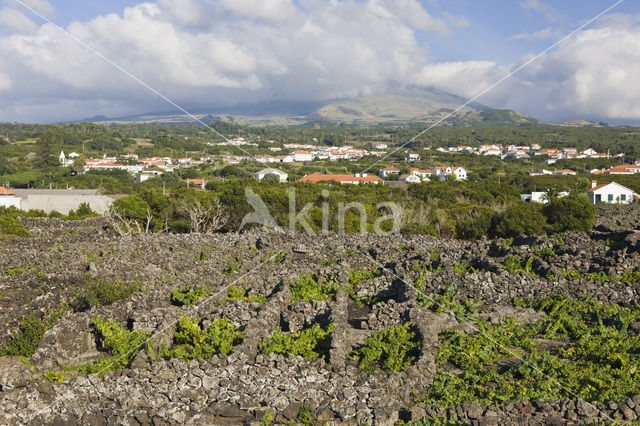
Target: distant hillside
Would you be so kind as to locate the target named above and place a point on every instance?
(582, 123)
(397, 106)
(394, 106)
(491, 117)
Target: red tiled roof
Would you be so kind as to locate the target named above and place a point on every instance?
(319, 177)
(602, 185)
(5, 191)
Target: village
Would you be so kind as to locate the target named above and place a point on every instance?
(295, 154)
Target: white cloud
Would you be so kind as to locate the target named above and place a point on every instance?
(16, 21)
(548, 11)
(40, 6)
(546, 34)
(223, 52)
(5, 81)
(592, 76)
(206, 53)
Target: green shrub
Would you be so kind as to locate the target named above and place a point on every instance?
(32, 330)
(544, 252)
(393, 349)
(463, 268)
(103, 293)
(355, 278)
(232, 266)
(11, 227)
(16, 271)
(594, 356)
(312, 342)
(189, 296)
(313, 287)
(236, 293)
(55, 377)
(447, 303)
(472, 222)
(573, 213)
(191, 341)
(521, 218)
(515, 265)
(123, 346)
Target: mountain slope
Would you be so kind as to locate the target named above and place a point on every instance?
(394, 106)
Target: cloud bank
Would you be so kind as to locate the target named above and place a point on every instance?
(203, 53)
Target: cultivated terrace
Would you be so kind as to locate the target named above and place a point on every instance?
(265, 328)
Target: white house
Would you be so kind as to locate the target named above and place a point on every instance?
(412, 157)
(410, 178)
(388, 171)
(8, 198)
(611, 193)
(460, 173)
(380, 145)
(264, 172)
(302, 156)
(540, 197)
(424, 174)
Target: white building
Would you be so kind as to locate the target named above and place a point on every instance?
(410, 179)
(540, 197)
(611, 193)
(8, 198)
(412, 157)
(380, 145)
(423, 174)
(460, 173)
(264, 172)
(388, 171)
(302, 156)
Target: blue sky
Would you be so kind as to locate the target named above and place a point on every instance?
(221, 52)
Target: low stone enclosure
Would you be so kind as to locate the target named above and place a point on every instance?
(358, 286)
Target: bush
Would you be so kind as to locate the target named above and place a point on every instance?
(236, 293)
(573, 213)
(313, 287)
(520, 218)
(32, 330)
(472, 222)
(189, 296)
(447, 303)
(9, 226)
(393, 349)
(103, 293)
(194, 342)
(123, 346)
(310, 343)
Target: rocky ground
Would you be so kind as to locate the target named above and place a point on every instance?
(46, 271)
